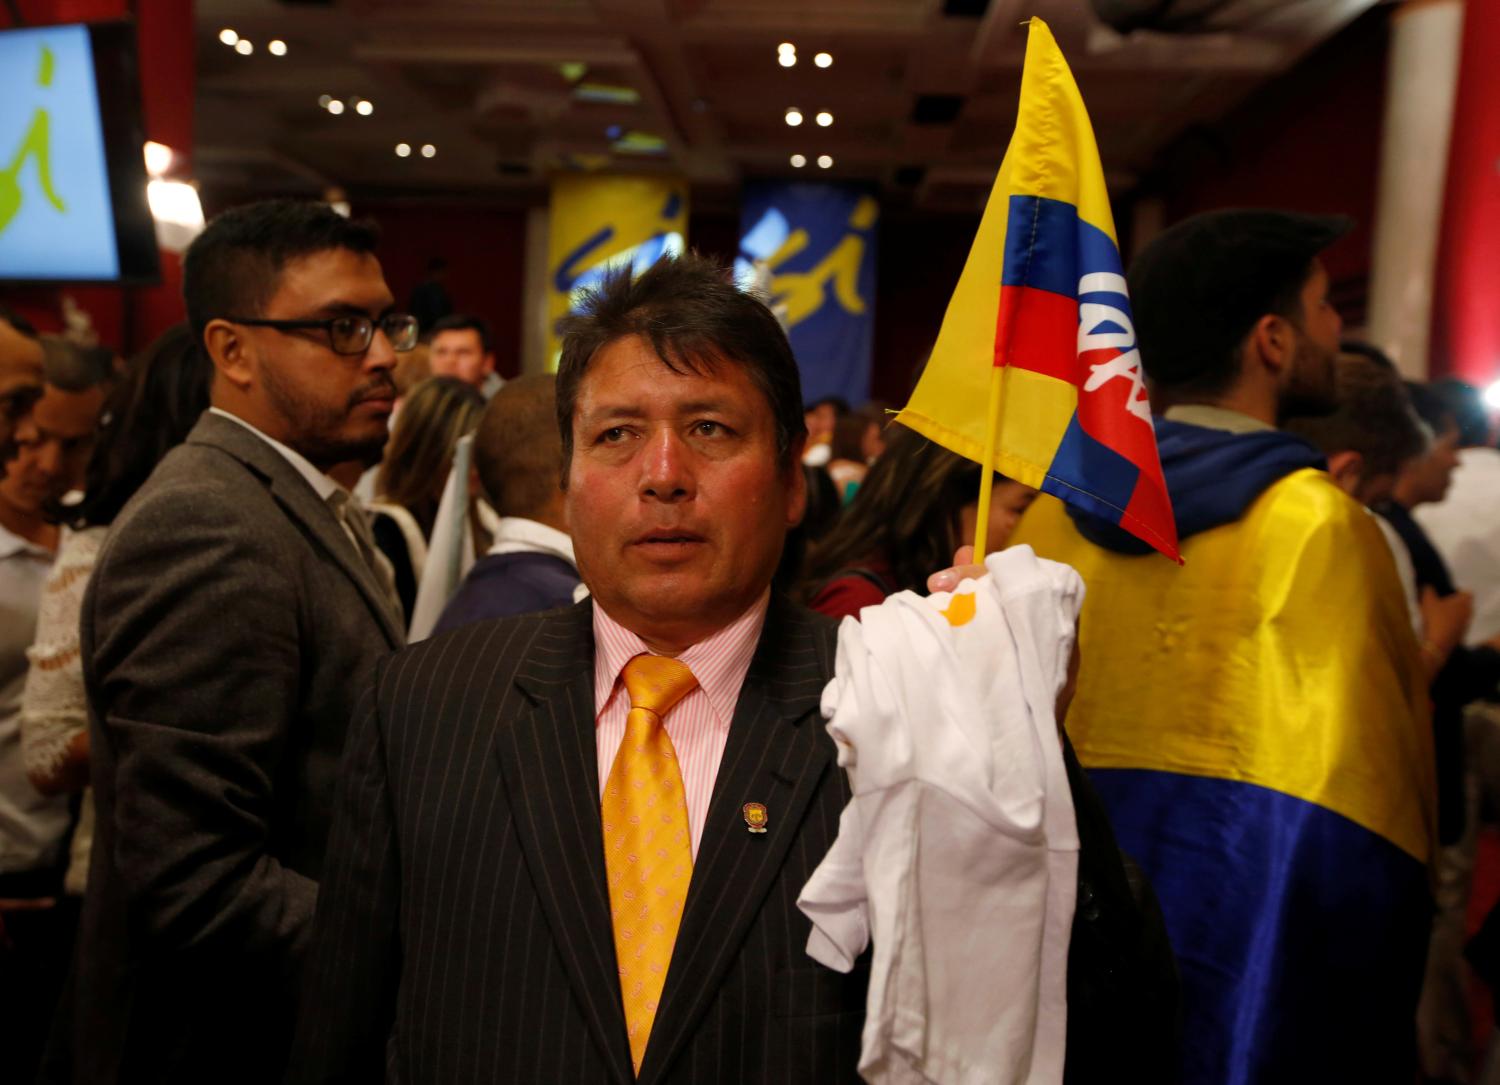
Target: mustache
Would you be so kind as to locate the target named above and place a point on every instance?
(379, 388)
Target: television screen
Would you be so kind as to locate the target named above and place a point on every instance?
(72, 176)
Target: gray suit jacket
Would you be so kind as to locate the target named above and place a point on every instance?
(228, 630)
(464, 933)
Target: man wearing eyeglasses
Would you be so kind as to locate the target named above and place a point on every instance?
(231, 623)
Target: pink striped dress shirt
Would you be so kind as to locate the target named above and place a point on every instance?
(699, 724)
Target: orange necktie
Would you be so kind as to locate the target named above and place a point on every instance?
(648, 853)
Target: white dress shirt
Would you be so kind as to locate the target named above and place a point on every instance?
(958, 854)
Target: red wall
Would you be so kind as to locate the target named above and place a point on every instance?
(1307, 141)
(486, 252)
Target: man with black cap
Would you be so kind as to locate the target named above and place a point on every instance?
(1256, 719)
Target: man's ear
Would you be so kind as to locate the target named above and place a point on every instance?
(229, 350)
(1347, 469)
(1273, 343)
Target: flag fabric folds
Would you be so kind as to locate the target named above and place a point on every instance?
(1043, 298)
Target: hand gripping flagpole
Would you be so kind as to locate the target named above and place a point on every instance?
(987, 472)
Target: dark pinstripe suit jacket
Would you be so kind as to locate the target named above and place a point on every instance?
(463, 930)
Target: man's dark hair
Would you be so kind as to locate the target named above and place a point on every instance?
(464, 322)
(1199, 288)
(1367, 350)
(694, 317)
(17, 321)
(1467, 407)
(839, 404)
(74, 368)
(1431, 408)
(234, 266)
(516, 451)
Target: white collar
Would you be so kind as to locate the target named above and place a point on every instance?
(12, 544)
(322, 485)
(518, 535)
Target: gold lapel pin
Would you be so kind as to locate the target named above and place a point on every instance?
(755, 816)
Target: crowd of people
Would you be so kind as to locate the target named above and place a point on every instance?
(256, 824)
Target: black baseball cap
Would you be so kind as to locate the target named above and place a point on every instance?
(1198, 288)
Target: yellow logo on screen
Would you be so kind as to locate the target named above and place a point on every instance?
(35, 144)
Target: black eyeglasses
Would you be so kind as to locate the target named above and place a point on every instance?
(350, 334)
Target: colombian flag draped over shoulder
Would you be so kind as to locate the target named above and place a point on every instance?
(1042, 297)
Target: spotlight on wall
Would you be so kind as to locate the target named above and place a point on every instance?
(243, 47)
(228, 37)
(825, 160)
(276, 47)
(799, 160)
(177, 213)
(794, 116)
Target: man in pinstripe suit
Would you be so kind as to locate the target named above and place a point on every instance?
(477, 922)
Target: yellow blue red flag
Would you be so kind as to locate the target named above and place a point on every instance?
(1042, 298)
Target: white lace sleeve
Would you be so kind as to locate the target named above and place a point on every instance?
(53, 705)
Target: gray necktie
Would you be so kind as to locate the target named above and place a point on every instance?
(356, 522)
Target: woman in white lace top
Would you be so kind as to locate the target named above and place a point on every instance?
(158, 400)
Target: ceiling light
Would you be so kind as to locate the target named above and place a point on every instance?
(364, 107)
(158, 158)
(787, 60)
(825, 160)
(335, 106)
(323, 100)
(1492, 395)
(794, 116)
(243, 47)
(823, 60)
(786, 47)
(403, 150)
(276, 47)
(228, 37)
(825, 119)
(799, 160)
(428, 150)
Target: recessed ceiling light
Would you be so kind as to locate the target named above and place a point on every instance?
(323, 100)
(335, 106)
(786, 47)
(824, 119)
(276, 47)
(794, 116)
(403, 150)
(799, 160)
(364, 107)
(825, 160)
(823, 60)
(243, 47)
(228, 37)
(428, 150)
(787, 60)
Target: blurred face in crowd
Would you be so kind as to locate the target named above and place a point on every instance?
(52, 444)
(293, 385)
(677, 499)
(1009, 500)
(1310, 386)
(820, 421)
(459, 352)
(1425, 480)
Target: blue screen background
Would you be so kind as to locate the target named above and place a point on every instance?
(37, 240)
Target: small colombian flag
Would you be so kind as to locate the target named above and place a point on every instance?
(1042, 299)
